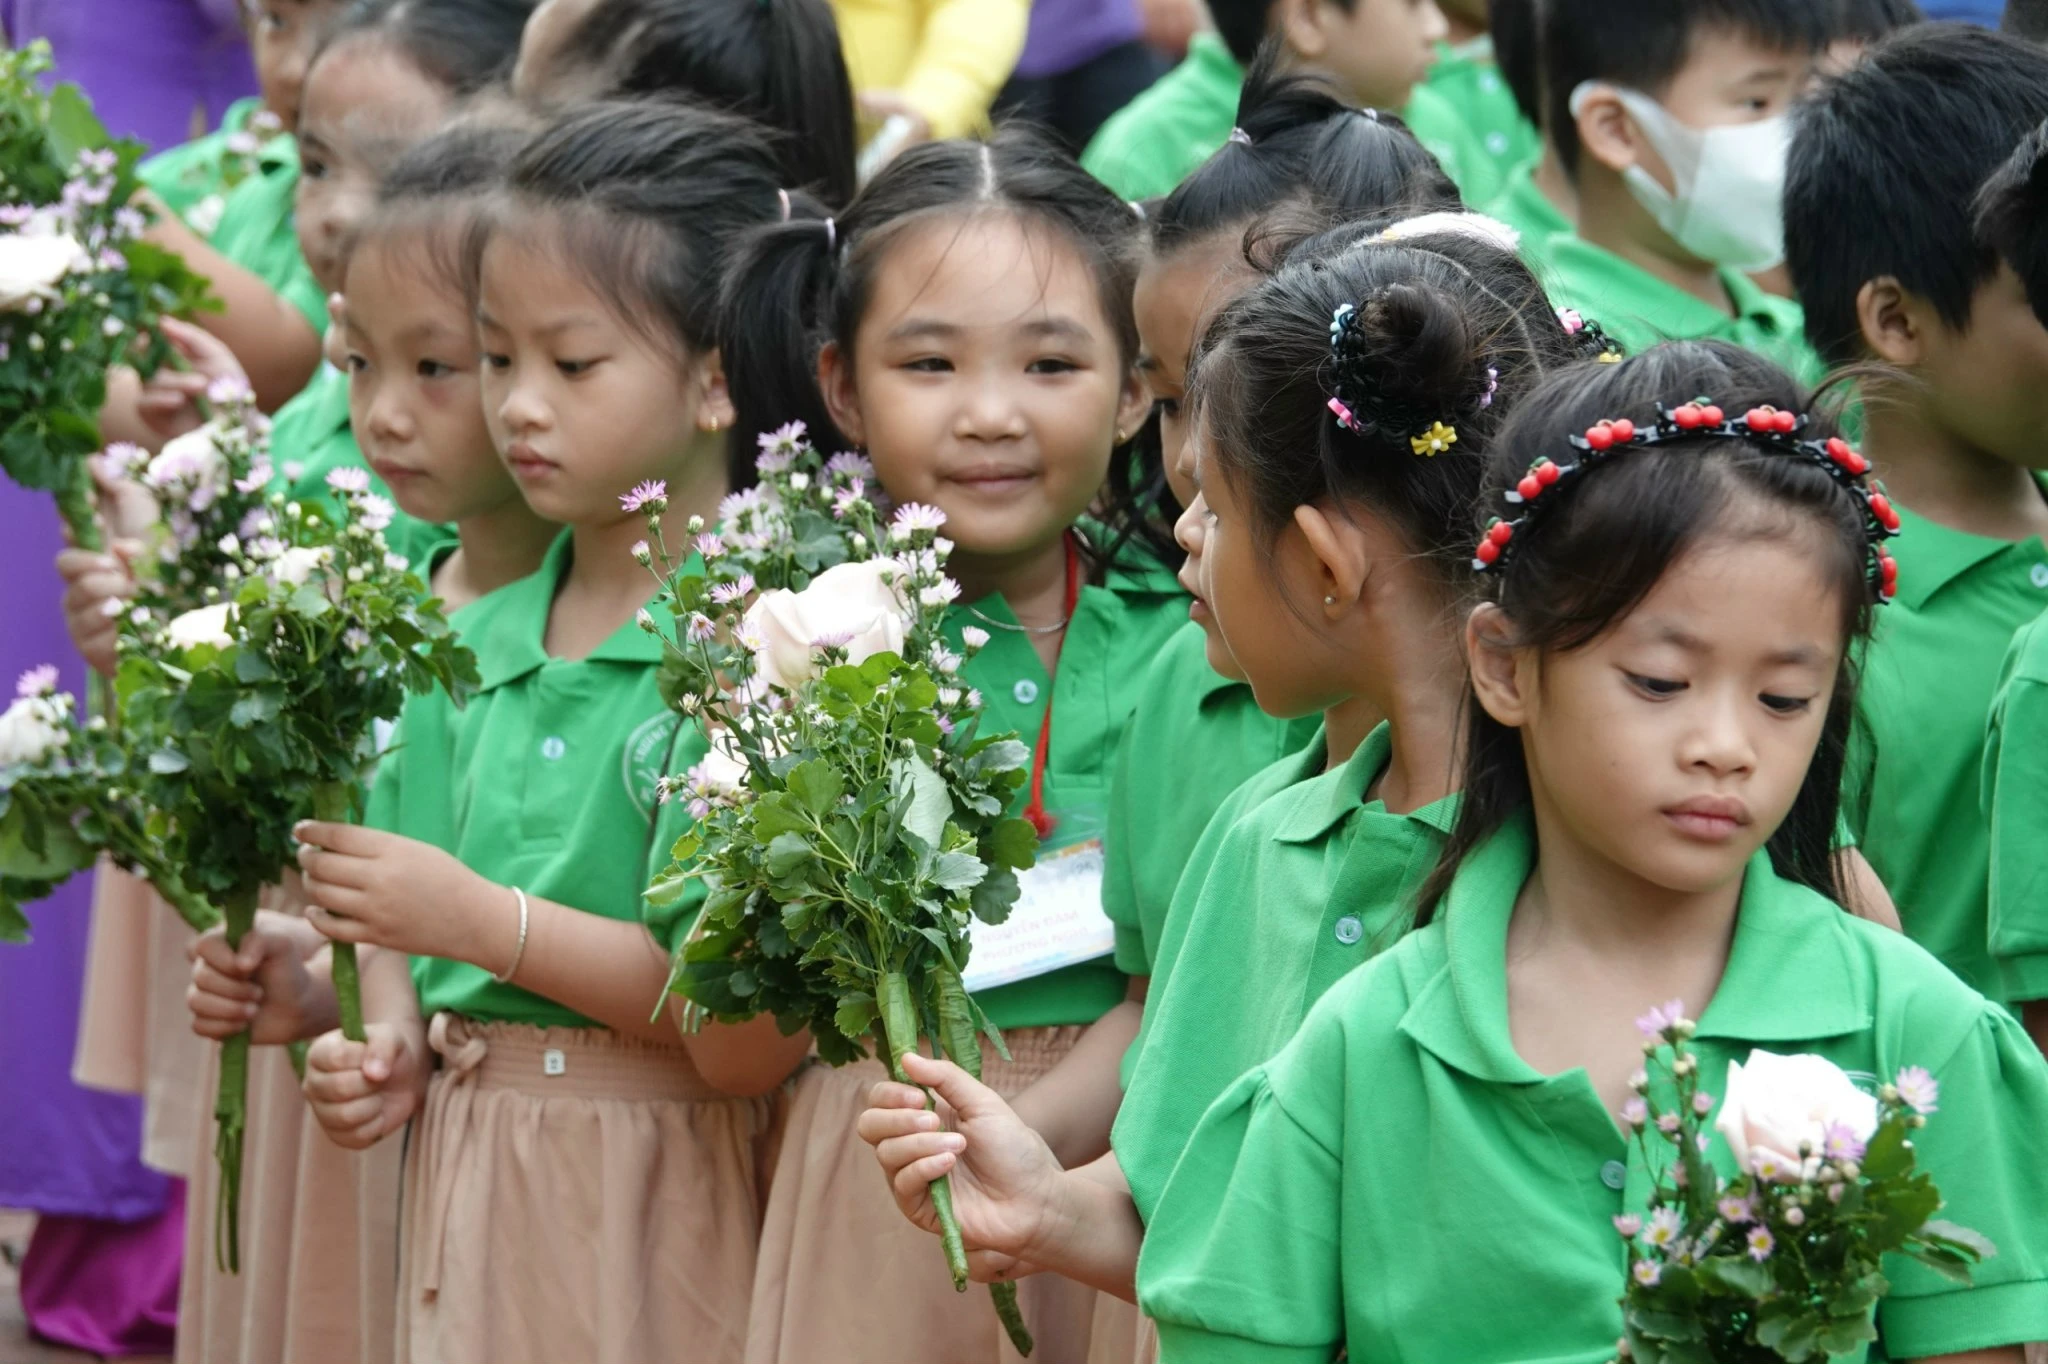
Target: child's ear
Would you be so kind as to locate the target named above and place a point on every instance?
(1496, 665)
(842, 400)
(714, 403)
(1300, 26)
(1606, 132)
(1891, 320)
(1342, 558)
(1132, 405)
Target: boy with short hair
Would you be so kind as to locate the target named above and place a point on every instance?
(1375, 52)
(1886, 160)
(2012, 219)
(1669, 120)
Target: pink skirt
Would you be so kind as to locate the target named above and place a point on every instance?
(575, 1195)
(1122, 1334)
(845, 1278)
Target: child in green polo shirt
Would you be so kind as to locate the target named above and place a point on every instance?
(1342, 410)
(2010, 220)
(1433, 1167)
(1470, 82)
(967, 322)
(1886, 161)
(1376, 52)
(1669, 121)
(613, 1153)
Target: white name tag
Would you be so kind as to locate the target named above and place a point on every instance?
(1058, 921)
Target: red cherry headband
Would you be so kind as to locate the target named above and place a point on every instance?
(1697, 420)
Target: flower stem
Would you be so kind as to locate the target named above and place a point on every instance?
(74, 504)
(348, 991)
(963, 1047)
(899, 1034)
(231, 1103)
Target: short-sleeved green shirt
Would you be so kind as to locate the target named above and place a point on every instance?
(186, 175)
(1399, 1181)
(545, 780)
(1299, 892)
(1149, 146)
(310, 438)
(1528, 210)
(2015, 796)
(1497, 140)
(1116, 629)
(1927, 689)
(1638, 310)
(1194, 736)
(257, 231)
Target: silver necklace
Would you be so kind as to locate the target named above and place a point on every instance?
(1051, 629)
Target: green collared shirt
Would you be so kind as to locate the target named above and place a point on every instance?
(257, 231)
(1495, 140)
(184, 175)
(1297, 892)
(1927, 690)
(545, 781)
(1194, 736)
(1151, 144)
(2015, 795)
(310, 438)
(1638, 310)
(1398, 1182)
(1528, 210)
(1116, 630)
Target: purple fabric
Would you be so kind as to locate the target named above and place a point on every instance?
(107, 1288)
(147, 64)
(69, 1151)
(1065, 33)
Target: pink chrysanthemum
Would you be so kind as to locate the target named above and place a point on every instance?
(1628, 1225)
(700, 629)
(37, 681)
(1920, 1090)
(1841, 1143)
(915, 516)
(1760, 1244)
(645, 495)
(349, 480)
(728, 594)
(1647, 1273)
(1656, 1021)
(1736, 1210)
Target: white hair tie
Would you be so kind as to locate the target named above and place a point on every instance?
(1476, 226)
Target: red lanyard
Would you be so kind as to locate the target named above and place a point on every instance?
(1036, 811)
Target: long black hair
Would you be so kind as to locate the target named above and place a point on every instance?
(778, 62)
(1610, 538)
(462, 45)
(649, 199)
(802, 282)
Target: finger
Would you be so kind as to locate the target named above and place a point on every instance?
(969, 1097)
(353, 1114)
(913, 1181)
(332, 870)
(899, 1152)
(333, 1052)
(351, 839)
(385, 1049)
(877, 1125)
(74, 563)
(212, 950)
(338, 927)
(235, 988)
(889, 1094)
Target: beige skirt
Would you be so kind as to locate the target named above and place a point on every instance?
(843, 1277)
(575, 1195)
(1122, 1334)
(134, 1033)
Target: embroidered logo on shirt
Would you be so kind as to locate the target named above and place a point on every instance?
(644, 760)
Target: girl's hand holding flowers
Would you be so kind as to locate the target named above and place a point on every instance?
(361, 1092)
(264, 988)
(368, 886)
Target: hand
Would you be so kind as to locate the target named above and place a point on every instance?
(1004, 1176)
(361, 1092)
(263, 988)
(170, 400)
(96, 584)
(368, 886)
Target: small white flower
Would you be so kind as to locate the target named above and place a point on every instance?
(974, 637)
(357, 639)
(31, 728)
(298, 563)
(207, 625)
(645, 620)
(373, 513)
(397, 563)
(230, 544)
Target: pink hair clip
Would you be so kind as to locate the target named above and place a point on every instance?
(1344, 417)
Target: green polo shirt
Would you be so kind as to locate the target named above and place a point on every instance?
(184, 175)
(1638, 310)
(1916, 769)
(1149, 146)
(310, 438)
(256, 231)
(1496, 140)
(1298, 893)
(2015, 799)
(1194, 736)
(1528, 210)
(1116, 630)
(545, 780)
(1400, 1182)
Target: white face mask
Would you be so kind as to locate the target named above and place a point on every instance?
(1728, 206)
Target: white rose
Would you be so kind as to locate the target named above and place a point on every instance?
(207, 625)
(31, 266)
(1776, 1104)
(30, 729)
(295, 565)
(722, 770)
(853, 606)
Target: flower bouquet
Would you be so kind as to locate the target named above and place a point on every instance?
(258, 710)
(1784, 1261)
(850, 815)
(80, 290)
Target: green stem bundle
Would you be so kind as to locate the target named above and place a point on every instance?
(348, 991)
(231, 1103)
(957, 1042)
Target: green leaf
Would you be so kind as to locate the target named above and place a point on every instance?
(13, 923)
(855, 1015)
(1937, 1229)
(309, 600)
(880, 667)
(1744, 1277)
(787, 853)
(928, 802)
(1660, 1325)
(994, 896)
(845, 678)
(1846, 1333)
(1012, 843)
(778, 813)
(686, 847)
(958, 871)
(818, 785)
(72, 126)
(168, 762)
(668, 889)
(1947, 1263)
(254, 709)
(1888, 1155)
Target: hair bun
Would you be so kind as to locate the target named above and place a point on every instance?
(1404, 359)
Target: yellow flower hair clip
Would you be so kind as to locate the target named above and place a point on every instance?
(1434, 441)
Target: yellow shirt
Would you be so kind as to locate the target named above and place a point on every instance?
(946, 58)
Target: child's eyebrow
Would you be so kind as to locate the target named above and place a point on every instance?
(1798, 655)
